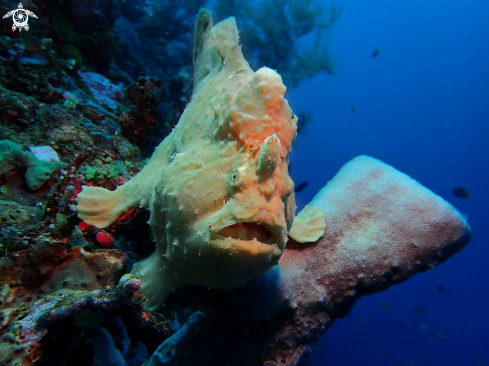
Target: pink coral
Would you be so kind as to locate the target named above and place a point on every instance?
(103, 90)
(46, 153)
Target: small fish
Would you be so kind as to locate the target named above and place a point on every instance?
(418, 310)
(386, 305)
(352, 108)
(300, 187)
(432, 336)
(440, 289)
(376, 52)
(461, 192)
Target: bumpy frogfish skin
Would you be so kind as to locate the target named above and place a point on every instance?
(218, 187)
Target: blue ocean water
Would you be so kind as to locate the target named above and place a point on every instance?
(422, 106)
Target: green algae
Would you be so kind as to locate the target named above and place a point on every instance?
(37, 171)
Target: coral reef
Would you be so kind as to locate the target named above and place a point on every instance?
(105, 93)
(59, 278)
(167, 351)
(29, 299)
(33, 51)
(141, 100)
(12, 214)
(46, 285)
(220, 199)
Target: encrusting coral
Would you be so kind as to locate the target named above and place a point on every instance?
(48, 285)
(37, 171)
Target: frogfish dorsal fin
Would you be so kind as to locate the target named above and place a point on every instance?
(226, 41)
(207, 61)
(215, 47)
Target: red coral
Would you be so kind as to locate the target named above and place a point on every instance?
(83, 226)
(105, 240)
(125, 215)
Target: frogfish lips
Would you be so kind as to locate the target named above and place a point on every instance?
(251, 237)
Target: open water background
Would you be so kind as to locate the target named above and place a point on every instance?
(422, 106)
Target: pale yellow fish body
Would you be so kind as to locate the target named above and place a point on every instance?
(218, 188)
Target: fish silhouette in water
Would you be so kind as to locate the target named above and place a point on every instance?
(376, 52)
(352, 108)
(300, 187)
(461, 192)
(432, 336)
(440, 289)
(418, 310)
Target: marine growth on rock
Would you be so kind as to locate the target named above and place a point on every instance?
(108, 258)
